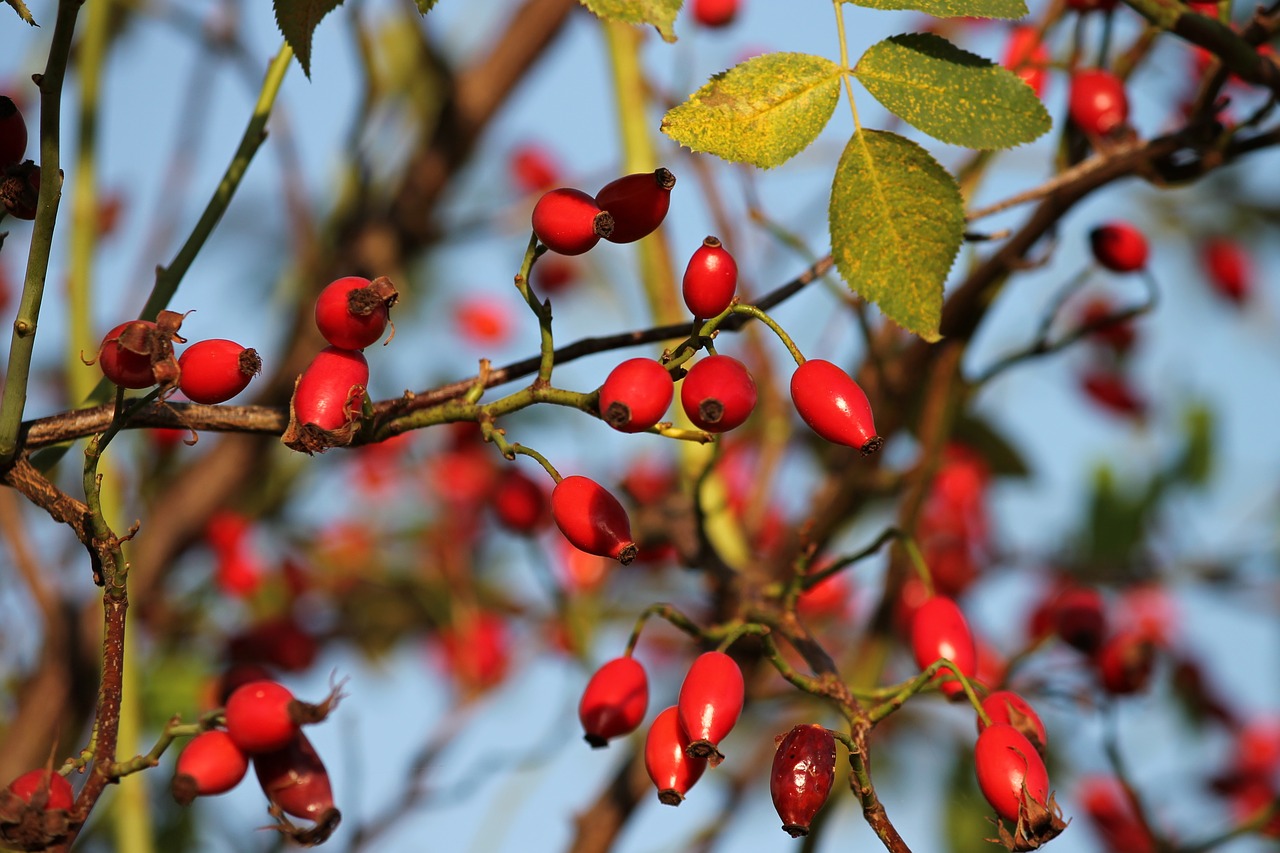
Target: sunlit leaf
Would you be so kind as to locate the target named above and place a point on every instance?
(763, 112)
(23, 12)
(1009, 9)
(297, 20)
(660, 14)
(425, 6)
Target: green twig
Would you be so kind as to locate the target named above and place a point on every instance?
(753, 311)
(671, 614)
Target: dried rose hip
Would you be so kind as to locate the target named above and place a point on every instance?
(13, 134)
(614, 701)
(803, 770)
(295, 781)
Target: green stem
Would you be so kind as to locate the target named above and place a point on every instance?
(753, 311)
(667, 612)
(844, 63)
(541, 310)
(22, 342)
(919, 683)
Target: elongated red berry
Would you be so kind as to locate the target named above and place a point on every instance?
(592, 519)
(210, 764)
(260, 716)
(667, 760)
(718, 394)
(710, 279)
(1097, 102)
(638, 203)
(803, 771)
(614, 701)
(1119, 246)
(13, 134)
(353, 312)
(294, 779)
(710, 702)
(940, 631)
(636, 395)
(1005, 706)
(215, 370)
(1229, 268)
(569, 221)
(44, 789)
(834, 405)
(1010, 771)
(330, 390)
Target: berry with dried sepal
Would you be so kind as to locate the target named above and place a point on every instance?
(569, 221)
(353, 312)
(215, 370)
(667, 760)
(210, 764)
(710, 703)
(834, 405)
(710, 279)
(592, 519)
(718, 393)
(638, 203)
(636, 394)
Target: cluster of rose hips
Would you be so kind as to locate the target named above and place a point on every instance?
(19, 179)
(263, 723)
(329, 396)
(139, 354)
(35, 809)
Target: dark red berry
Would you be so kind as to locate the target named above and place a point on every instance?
(711, 697)
(260, 716)
(1083, 6)
(614, 701)
(20, 190)
(718, 394)
(330, 391)
(803, 771)
(592, 519)
(13, 134)
(1097, 104)
(216, 370)
(1005, 706)
(710, 279)
(1119, 246)
(210, 764)
(667, 760)
(1010, 771)
(569, 221)
(1125, 663)
(1080, 618)
(834, 405)
(1229, 268)
(43, 788)
(636, 395)
(119, 358)
(940, 631)
(1114, 392)
(520, 503)
(1026, 56)
(295, 780)
(353, 312)
(638, 203)
(715, 13)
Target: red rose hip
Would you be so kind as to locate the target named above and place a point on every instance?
(710, 279)
(330, 391)
(43, 788)
(1097, 102)
(569, 221)
(519, 503)
(1005, 706)
(638, 203)
(667, 760)
(636, 395)
(1119, 247)
(834, 405)
(715, 13)
(260, 716)
(1228, 266)
(940, 631)
(295, 780)
(1009, 770)
(210, 764)
(718, 394)
(216, 370)
(614, 701)
(803, 772)
(353, 312)
(710, 702)
(592, 519)
(119, 359)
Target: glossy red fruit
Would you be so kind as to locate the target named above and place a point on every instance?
(43, 788)
(614, 701)
(119, 361)
(13, 134)
(519, 503)
(939, 630)
(216, 370)
(294, 779)
(638, 203)
(1119, 246)
(261, 717)
(803, 771)
(592, 519)
(1009, 770)
(834, 405)
(636, 395)
(1005, 706)
(1080, 618)
(1026, 56)
(569, 221)
(210, 764)
(332, 388)
(710, 279)
(667, 760)
(1229, 268)
(715, 13)
(718, 394)
(710, 703)
(1125, 663)
(1097, 102)
(353, 312)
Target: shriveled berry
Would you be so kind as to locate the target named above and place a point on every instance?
(718, 394)
(638, 203)
(569, 221)
(711, 697)
(353, 312)
(592, 519)
(295, 780)
(1005, 706)
(834, 405)
(210, 764)
(330, 391)
(803, 771)
(636, 395)
(667, 761)
(1119, 246)
(1010, 771)
(710, 279)
(13, 134)
(261, 717)
(940, 631)
(43, 788)
(1097, 103)
(215, 370)
(614, 701)
(715, 13)
(520, 503)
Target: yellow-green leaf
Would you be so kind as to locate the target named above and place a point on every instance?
(1009, 9)
(763, 112)
(951, 94)
(23, 12)
(897, 220)
(298, 20)
(656, 13)
(424, 6)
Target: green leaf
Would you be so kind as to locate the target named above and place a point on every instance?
(1009, 9)
(23, 12)
(297, 20)
(897, 221)
(656, 13)
(763, 112)
(425, 6)
(951, 94)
